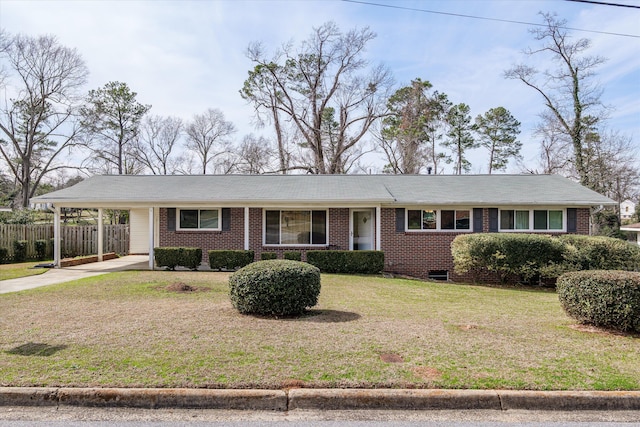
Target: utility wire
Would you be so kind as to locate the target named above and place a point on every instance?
(482, 17)
(604, 3)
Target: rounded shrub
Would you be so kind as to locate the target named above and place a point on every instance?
(602, 298)
(275, 287)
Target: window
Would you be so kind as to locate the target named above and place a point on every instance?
(514, 220)
(199, 219)
(295, 227)
(542, 220)
(438, 219)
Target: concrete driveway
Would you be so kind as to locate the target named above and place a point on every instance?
(67, 274)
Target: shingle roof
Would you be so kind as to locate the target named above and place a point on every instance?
(476, 190)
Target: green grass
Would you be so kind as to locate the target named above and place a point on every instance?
(126, 330)
(24, 269)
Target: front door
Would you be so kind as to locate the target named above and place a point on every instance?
(362, 221)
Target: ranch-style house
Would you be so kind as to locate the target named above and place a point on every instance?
(411, 218)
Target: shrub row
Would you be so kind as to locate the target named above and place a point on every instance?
(531, 257)
(603, 298)
(173, 257)
(275, 287)
(292, 255)
(229, 259)
(347, 262)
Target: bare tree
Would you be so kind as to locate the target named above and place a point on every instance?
(322, 81)
(261, 89)
(207, 137)
(568, 91)
(157, 142)
(112, 117)
(255, 155)
(38, 122)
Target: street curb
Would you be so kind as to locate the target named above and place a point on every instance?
(322, 399)
(336, 399)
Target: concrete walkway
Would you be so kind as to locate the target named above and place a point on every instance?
(67, 274)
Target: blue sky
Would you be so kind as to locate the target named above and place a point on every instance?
(183, 57)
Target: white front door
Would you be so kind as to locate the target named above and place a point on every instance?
(362, 226)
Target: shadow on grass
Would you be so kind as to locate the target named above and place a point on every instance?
(36, 349)
(327, 316)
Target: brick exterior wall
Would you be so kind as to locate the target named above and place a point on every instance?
(206, 240)
(409, 253)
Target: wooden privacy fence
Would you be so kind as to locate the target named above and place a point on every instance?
(76, 240)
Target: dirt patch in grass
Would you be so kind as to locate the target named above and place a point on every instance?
(181, 288)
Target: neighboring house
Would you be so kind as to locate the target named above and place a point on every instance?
(627, 209)
(633, 232)
(412, 218)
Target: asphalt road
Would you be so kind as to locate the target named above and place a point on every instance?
(102, 417)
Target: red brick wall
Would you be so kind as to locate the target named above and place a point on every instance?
(206, 240)
(409, 253)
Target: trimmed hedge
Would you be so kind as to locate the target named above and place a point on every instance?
(268, 255)
(522, 255)
(347, 262)
(173, 257)
(4, 255)
(41, 249)
(603, 298)
(293, 255)
(229, 259)
(20, 250)
(275, 287)
(600, 253)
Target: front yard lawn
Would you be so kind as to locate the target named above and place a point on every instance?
(178, 329)
(23, 269)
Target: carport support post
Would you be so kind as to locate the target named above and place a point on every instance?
(100, 235)
(378, 222)
(56, 236)
(246, 228)
(151, 236)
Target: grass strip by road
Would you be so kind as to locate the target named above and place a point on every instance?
(178, 329)
(23, 269)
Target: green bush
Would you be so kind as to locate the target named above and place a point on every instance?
(229, 259)
(603, 298)
(20, 250)
(275, 287)
(268, 255)
(4, 255)
(41, 249)
(293, 255)
(347, 262)
(523, 256)
(600, 253)
(173, 257)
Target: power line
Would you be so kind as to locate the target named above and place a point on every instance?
(604, 3)
(413, 9)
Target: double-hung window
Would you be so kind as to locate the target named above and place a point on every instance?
(199, 219)
(295, 227)
(532, 220)
(438, 219)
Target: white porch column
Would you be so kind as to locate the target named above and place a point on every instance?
(246, 229)
(100, 235)
(56, 237)
(378, 228)
(151, 239)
